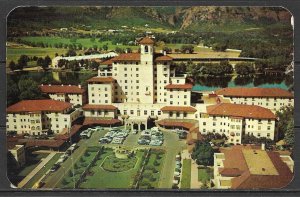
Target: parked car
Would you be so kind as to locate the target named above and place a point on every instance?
(211, 144)
(54, 167)
(117, 140)
(156, 143)
(40, 184)
(105, 140)
(134, 131)
(143, 142)
(154, 129)
(146, 133)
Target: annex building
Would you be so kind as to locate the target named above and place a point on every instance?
(247, 167)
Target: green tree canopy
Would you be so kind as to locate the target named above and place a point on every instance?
(203, 153)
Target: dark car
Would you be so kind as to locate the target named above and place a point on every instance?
(54, 167)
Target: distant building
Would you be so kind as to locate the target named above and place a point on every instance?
(67, 93)
(39, 116)
(237, 120)
(271, 98)
(245, 167)
(18, 151)
(83, 57)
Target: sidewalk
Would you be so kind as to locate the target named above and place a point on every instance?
(36, 170)
(195, 183)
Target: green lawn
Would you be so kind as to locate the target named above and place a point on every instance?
(79, 167)
(186, 174)
(14, 53)
(151, 174)
(42, 172)
(101, 179)
(205, 174)
(31, 163)
(85, 42)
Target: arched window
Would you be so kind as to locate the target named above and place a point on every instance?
(32, 128)
(146, 49)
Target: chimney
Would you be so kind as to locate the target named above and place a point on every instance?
(263, 146)
(161, 51)
(49, 84)
(165, 53)
(79, 86)
(62, 84)
(42, 85)
(69, 84)
(99, 72)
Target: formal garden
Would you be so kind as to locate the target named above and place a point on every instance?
(103, 169)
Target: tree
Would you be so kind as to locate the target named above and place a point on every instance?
(244, 68)
(12, 65)
(119, 50)
(203, 153)
(167, 49)
(187, 49)
(105, 47)
(29, 89)
(12, 92)
(71, 52)
(289, 137)
(40, 62)
(285, 116)
(94, 65)
(47, 62)
(22, 61)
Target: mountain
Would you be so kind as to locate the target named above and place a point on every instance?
(175, 18)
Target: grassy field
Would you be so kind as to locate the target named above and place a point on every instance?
(42, 172)
(14, 53)
(101, 179)
(186, 174)
(205, 174)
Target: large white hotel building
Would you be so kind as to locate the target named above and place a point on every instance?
(143, 86)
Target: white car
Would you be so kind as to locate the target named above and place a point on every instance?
(155, 129)
(117, 140)
(134, 131)
(156, 143)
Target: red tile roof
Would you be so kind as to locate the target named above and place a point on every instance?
(74, 129)
(97, 107)
(107, 62)
(39, 105)
(101, 80)
(68, 89)
(127, 57)
(146, 40)
(234, 159)
(255, 92)
(42, 143)
(239, 110)
(173, 123)
(163, 58)
(99, 121)
(230, 172)
(179, 108)
(179, 86)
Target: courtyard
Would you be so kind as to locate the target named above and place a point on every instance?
(107, 171)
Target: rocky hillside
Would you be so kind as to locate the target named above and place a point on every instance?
(167, 17)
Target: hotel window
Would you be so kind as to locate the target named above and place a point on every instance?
(185, 103)
(165, 69)
(165, 81)
(137, 81)
(125, 81)
(171, 102)
(158, 112)
(214, 124)
(125, 75)
(170, 114)
(105, 112)
(106, 101)
(268, 134)
(137, 69)
(137, 75)
(65, 120)
(145, 112)
(204, 123)
(177, 114)
(57, 126)
(238, 127)
(125, 112)
(204, 130)
(131, 112)
(258, 134)
(269, 128)
(259, 128)
(92, 112)
(125, 69)
(93, 101)
(214, 130)
(92, 88)
(171, 96)
(152, 113)
(106, 95)
(125, 87)
(184, 114)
